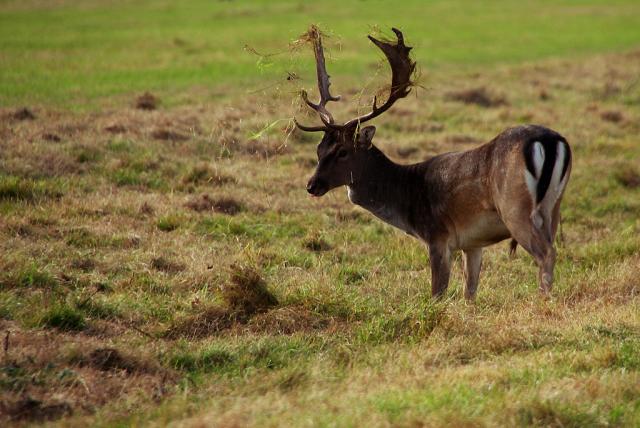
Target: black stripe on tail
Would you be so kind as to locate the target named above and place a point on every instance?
(549, 141)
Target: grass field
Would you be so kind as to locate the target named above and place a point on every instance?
(165, 265)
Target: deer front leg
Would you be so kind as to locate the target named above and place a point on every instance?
(473, 262)
(440, 259)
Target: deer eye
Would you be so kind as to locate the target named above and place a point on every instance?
(342, 154)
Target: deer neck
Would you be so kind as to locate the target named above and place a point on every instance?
(386, 189)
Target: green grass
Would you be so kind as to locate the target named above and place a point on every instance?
(63, 317)
(148, 280)
(77, 53)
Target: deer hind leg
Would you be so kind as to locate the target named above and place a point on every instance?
(537, 243)
(473, 262)
(440, 260)
(548, 166)
(536, 238)
(547, 263)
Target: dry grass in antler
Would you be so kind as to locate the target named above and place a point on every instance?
(402, 73)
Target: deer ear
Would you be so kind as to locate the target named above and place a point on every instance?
(366, 135)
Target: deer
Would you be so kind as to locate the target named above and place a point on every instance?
(510, 187)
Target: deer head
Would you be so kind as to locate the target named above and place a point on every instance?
(343, 151)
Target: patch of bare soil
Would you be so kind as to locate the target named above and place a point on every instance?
(115, 129)
(225, 205)
(478, 96)
(109, 359)
(166, 266)
(47, 375)
(147, 209)
(23, 114)
(30, 409)
(628, 177)
(147, 101)
(612, 116)
(84, 264)
(168, 135)
(51, 137)
(544, 95)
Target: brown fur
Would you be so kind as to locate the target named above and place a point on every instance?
(454, 201)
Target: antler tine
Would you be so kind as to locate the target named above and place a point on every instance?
(323, 84)
(402, 68)
(323, 78)
(309, 128)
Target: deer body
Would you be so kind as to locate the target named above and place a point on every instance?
(464, 201)
(510, 187)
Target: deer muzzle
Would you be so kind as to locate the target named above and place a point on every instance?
(317, 186)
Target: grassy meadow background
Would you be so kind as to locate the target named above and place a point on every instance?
(161, 263)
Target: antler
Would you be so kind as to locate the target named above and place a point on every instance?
(323, 85)
(402, 68)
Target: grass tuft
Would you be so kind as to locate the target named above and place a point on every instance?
(63, 317)
(554, 414)
(21, 189)
(33, 277)
(247, 292)
(208, 360)
(316, 242)
(169, 222)
(245, 296)
(147, 101)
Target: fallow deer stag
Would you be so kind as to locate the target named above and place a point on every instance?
(510, 187)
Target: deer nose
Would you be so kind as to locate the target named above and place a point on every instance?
(311, 186)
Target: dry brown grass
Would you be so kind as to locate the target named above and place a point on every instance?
(478, 96)
(164, 265)
(244, 296)
(225, 205)
(147, 101)
(331, 290)
(55, 374)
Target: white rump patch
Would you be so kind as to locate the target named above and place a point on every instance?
(538, 158)
(541, 213)
(556, 185)
(544, 210)
(538, 162)
(532, 184)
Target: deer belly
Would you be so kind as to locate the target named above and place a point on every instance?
(483, 230)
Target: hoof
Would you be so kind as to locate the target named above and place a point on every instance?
(546, 282)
